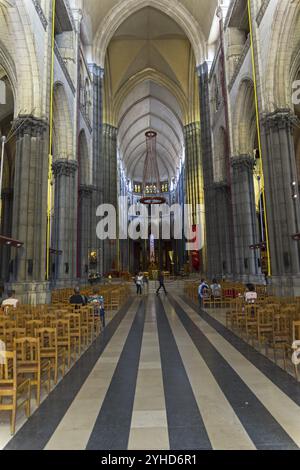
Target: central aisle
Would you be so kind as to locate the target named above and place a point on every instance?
(163, 377)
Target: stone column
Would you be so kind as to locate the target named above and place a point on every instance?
(245, 221)
(97, 197)
(30, 209)
(220, 193)
(65, 209)
(193, 173)
(283, 210)
(213, 238)
(110, 188)
(85, 225)
(6, 224)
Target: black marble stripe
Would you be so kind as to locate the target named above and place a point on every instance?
(284, 381)
(112, 427)
(264, 431)
(185, 425)
(39, 428)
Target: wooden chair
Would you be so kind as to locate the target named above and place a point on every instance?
(23, 318)
(47, 319)
(281, 334)
(235, 317)
(12, 389)
(10, 334)
(86, 332)
(30, 364)
(115, 302)
(50, 350)
(251, 321)
(75, 332)
(32, 325)
(64, 336)
(265, 326)
(6, 324)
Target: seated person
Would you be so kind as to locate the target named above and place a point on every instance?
(11, 301)
(77, 298)
(250, 294)
(98, 303)
(216, 289)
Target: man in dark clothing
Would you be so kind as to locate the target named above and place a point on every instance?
(77, 298)
(161, 281)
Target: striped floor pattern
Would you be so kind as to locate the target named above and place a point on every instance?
(162, 376)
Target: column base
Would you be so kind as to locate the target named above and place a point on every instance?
(31, 293)
(251, 279)
(285, 286)
(65, 283)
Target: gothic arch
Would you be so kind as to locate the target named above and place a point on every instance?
(62, 127)
(16, 39)
(124, 9)
(284, 56)
(244, 119)
(8, 66)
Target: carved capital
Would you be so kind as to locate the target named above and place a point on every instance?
(64, 168)
(96, 70)
(191, 129)
(281, 119)
(242, 162)
(110, 131)
(29, 125)
(221, 186)
(7, 193)
(86, 191)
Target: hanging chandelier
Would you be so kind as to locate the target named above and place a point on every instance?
(151, 180)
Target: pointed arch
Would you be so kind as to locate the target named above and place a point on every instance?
(244, 121)
(284, 57)
(125, 8)
(62, 127)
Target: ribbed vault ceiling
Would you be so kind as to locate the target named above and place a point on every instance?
(201, 10)
(145, 110)
(149, 44)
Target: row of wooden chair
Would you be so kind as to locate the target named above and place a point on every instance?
(273, 323)
(107, 290)
(38, 351)
(37, 343)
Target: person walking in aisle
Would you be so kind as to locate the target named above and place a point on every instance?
(139, 284)
(161, 281)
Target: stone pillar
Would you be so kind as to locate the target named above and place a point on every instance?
(65, 211)
(283, 210)
(110, 188)
(245, 221)
(194, 176)
(29, 210)
(6, 224)
(212, 238)
(220, 193)
(85, 225)
(97, 197)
